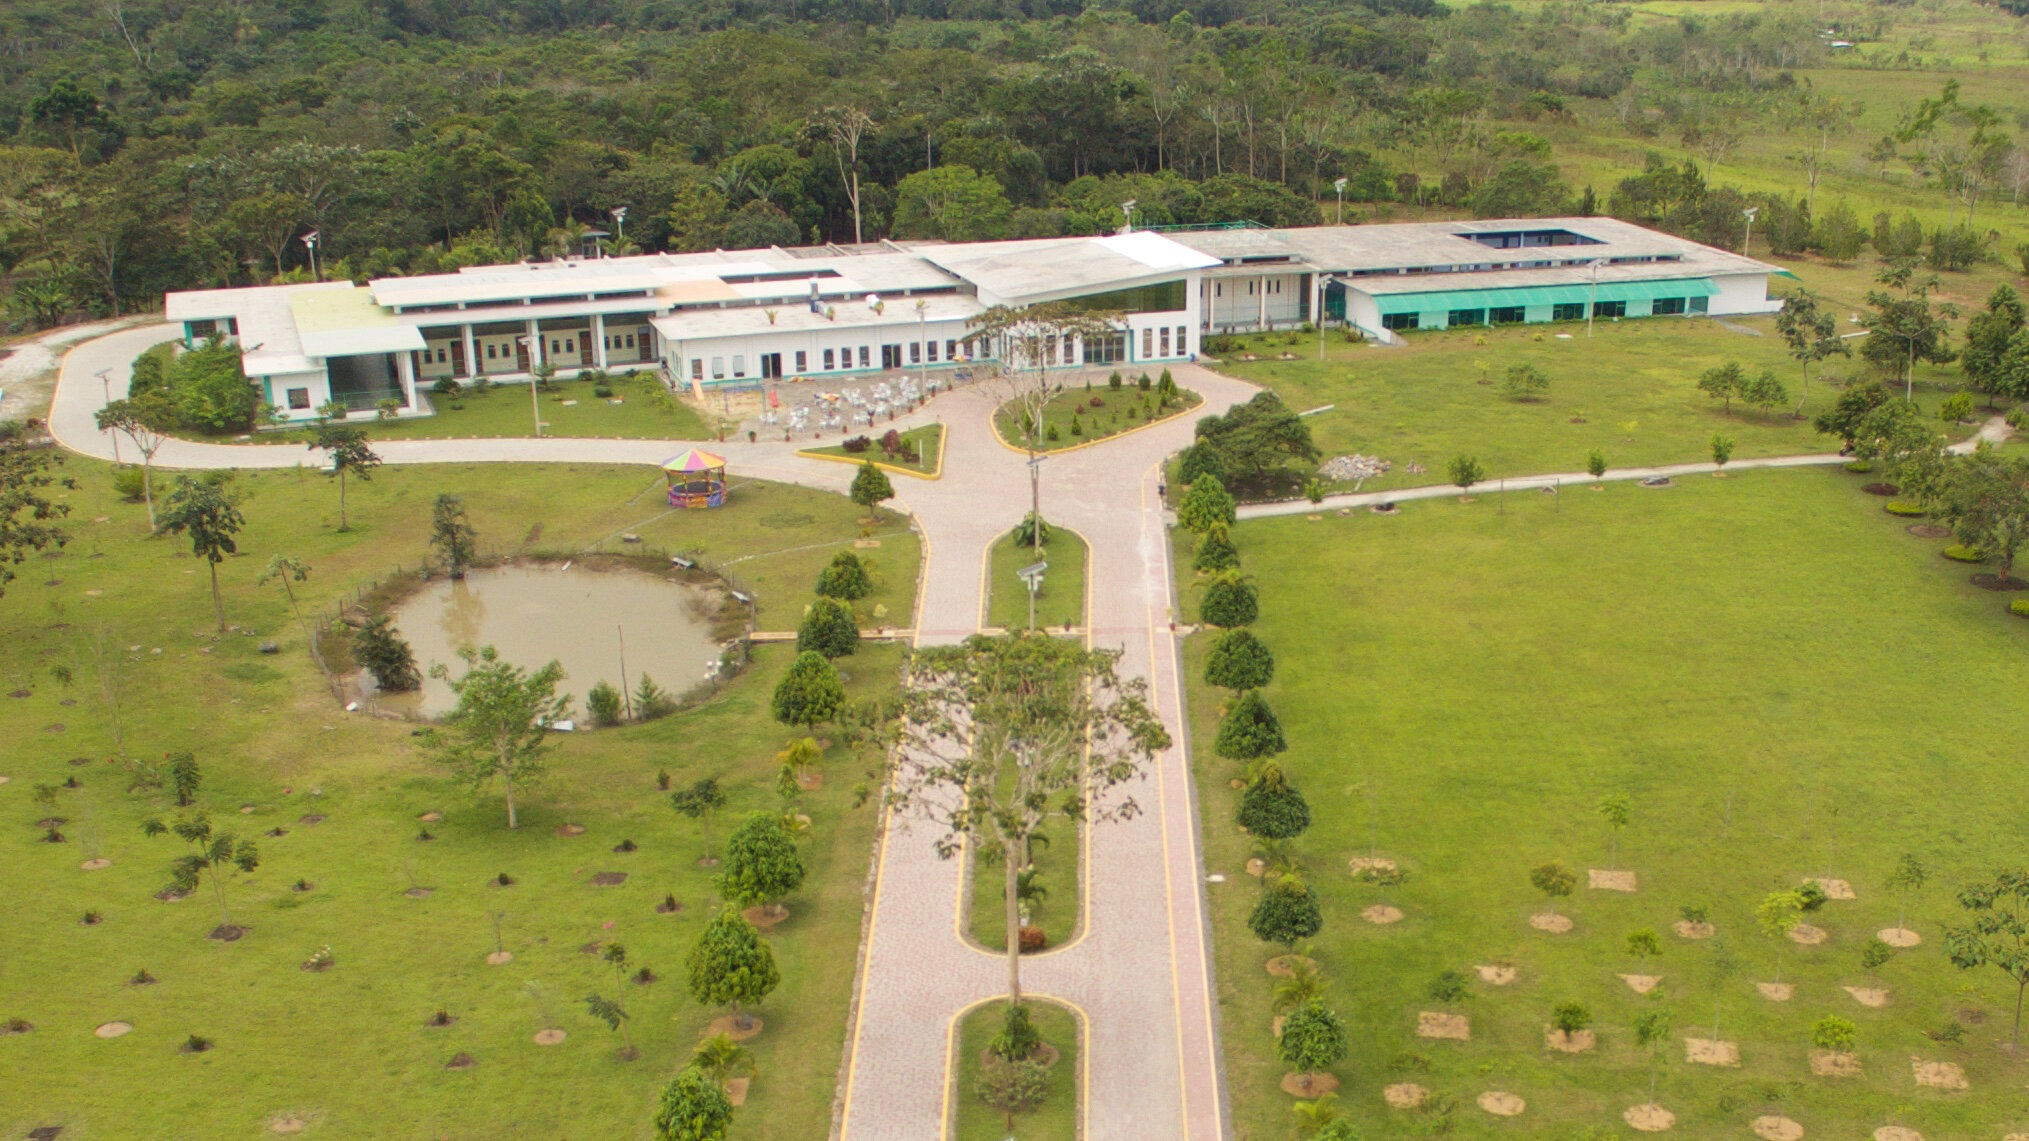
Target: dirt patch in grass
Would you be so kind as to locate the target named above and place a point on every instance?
(460, 1062)
(1382, 913)
(1897, 1133)
(1835, 888)
(288, 1124)
(1641, 984)
(311, 818)
(736, 1091)
(1996, 582)
(1929, 531)
(1770, 1127)
(1775, 992)
(570, 829)
(112, 1029)
(1435, 1024)
(609, 879)
(1939, 1075)
(1881, 489)
(1578, 1043)
(1898, 936)
(1807, 935)
(1649, 1118)
(1599, 880)
(1359, 864)
(497, 958)
(1706, 1052)
(95, 863)
(729, 1025)
(1686, 929)
(1282, 966)
(1835, 1064)
(1868, 995)
(549, 1037)
(1555, 924)
(1404, 1095)
(1316, 1084)
(1256, 866)
(767, 916)
(1495, 974)
(1500, 1103)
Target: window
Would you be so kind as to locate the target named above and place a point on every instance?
(570, 345)
(739, 364)
(697, 368)
(1164, 341)
(829, 357)
(1218, 289)
(718, 368)
(1573, 311)
(802, 361)
(299, 398)
(915, 352)
(1147, 343)
(933, 352)
(1610, 309)
(866, 357)
(1106, 348)
(1506, 315)
(1699, 304)
(951, 350)
(1665, 306)
(1401, 320)
(630, 341)
(492, 350)
(1466, 317)
(1183, 341)
(1163, 297)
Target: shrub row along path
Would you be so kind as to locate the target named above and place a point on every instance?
(1141, 970)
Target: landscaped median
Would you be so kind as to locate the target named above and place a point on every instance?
(917, 452)
(1035, 1099)
(1075, 417)
(1060, 600)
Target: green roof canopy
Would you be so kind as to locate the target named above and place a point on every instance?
(1450, 300)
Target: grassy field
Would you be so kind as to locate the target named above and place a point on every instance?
(646, 411)
(1075, 419)
(1783, 682)
(1631, 392)
(1056, 862)
(1061, 601)
(347, 1050)
(1057, 1118)
(927, 440)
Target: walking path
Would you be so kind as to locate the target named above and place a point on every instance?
(1140, 972)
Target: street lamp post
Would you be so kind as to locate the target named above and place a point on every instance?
(619, 224)
(1032, 577)
(1747, 237)
(310, 243)
(534, 347)
(105, 376)
(1592, 305)
(923, 338)
(1339, 188)
(1127, 211)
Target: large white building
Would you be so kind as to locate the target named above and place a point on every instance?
(748, 317)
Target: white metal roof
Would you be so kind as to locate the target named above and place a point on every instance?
(848, 318)
(1050, 269)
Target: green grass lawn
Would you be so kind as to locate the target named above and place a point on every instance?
(647, 411)
(1783, 681)
(1060, 602)
(1634, 386)
(927, 440)
(1074, 419)
(347, 1049)
(1056, 862)
(1057, 1118)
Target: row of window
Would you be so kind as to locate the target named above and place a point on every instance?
(835, 360)
(1516, 314)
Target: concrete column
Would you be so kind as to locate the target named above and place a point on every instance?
(1261, 296)
(538, 350)
(405, 369)
(471, 353)
(599, 340)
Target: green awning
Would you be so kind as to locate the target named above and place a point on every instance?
(1537, 295)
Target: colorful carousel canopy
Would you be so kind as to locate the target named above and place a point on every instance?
(693, 460)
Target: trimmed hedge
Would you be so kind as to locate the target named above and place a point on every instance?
(1907, 510)
(2019, 608)
(1960, 553)
(1860, 467)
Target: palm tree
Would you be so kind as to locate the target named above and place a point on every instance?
(721, 1059)
(1313, 1117)
(1304, 982)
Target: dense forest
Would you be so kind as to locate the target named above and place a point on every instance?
(148, 145)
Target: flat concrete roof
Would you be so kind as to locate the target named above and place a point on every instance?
(1423, 244)
(851, 318)
(1050, 269)
(334, 324)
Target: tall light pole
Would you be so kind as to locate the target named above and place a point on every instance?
(105, 376)
(1339, 188)
(310, 243)
(619, 224)
(923, 338)
(1747, 238)
(1127, 211)
(534, 347)
(1592, 306)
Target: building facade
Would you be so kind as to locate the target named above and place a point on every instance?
(739, 319)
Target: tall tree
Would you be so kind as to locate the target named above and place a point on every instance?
(1988, 335)
(1996, 933)
(500, 727)
(28, 514)
(1906, 327)
(201, 510)
(350, 454)
(1984, 499)
(451, 534)
(1001, 734)
(1258, 438)
(731, 965)
(145, 418)
(845, 126)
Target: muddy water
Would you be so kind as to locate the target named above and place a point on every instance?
(534, 613)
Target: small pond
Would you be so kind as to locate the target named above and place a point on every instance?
(535, 612)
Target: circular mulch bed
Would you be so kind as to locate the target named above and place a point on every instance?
(112, 1029)
(1649, 1118)
(1995, 582)
(1283, 966)
(669, 907)
(766, 917)
(227, 933)
(1309, 1085)
(460, 1062)
(708, 861)
(287, 1125)
(419, 892)
(95, 863)
(1881, 489)
(549, 1037)
(609, 879)
(570, 829)
(1929, 531)
(430, 817)
(1773, 1128)
(1898, 937)
(312, 818)
(498, 957)
(1404, 1095)
(171, 895)
(1501, 1103)
(729, 1025)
